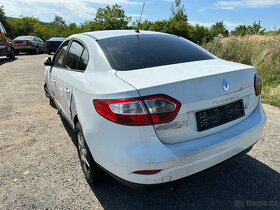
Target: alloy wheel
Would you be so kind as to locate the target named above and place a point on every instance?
(83, 153)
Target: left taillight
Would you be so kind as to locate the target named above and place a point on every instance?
(155, 109)
(257, 84)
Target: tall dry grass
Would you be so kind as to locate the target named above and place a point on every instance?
(262, 52)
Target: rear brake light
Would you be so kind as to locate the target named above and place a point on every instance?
(147, 110)
(257, 84)
(146, 172)
(28, 42)
(47, 43)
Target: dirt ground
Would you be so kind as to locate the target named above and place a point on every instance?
(39, 166)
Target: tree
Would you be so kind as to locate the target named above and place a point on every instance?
(218, 28)
(178, 21)
(58, 21)
(242, 30)
(110, 18)
(199, 34)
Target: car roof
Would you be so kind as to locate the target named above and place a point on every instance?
(115, 33)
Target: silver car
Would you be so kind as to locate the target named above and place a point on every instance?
(31, 44)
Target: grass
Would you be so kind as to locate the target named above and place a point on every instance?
(262, 52)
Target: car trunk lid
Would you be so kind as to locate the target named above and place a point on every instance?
(198, 86)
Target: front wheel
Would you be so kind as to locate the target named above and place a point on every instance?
(93, 173)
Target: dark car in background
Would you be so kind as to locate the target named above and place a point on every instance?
(53, 44)
(30, 44)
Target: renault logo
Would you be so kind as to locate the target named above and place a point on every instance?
(225, 85)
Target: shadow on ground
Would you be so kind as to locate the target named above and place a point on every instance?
(6, 60)
(244, 183)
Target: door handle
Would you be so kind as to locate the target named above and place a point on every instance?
(67, 90)
(54, 81)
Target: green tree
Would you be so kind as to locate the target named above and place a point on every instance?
(218, 28)
(110, 18)
(178, 21)
(240, 30)
(199, 34)
(58, 21)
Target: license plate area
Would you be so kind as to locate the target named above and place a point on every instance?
(214, 117)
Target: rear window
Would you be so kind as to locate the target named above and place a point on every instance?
(143, 51)
(57, 39)
(25, 38)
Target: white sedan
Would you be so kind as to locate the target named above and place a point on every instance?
(150, 108)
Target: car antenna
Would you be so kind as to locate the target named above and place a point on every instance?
(137, 30)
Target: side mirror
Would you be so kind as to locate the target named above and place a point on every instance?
(48, 61)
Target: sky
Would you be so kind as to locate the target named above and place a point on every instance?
(203, 12)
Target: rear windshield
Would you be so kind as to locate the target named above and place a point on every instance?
(143, 51)
(57, 39)
(24, 38)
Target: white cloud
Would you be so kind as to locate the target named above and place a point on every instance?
(231, 5)
(228, 24)
(246, 4)
(69, 10)
(135, 15)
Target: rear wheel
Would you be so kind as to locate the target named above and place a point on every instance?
(93, 173)
(12, 53)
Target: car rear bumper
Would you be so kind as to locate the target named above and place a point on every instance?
(24, 48)
(51, 48)
(183, 159)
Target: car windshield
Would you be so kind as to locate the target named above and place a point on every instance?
(61, 39)
(24, 38)
(133, 52)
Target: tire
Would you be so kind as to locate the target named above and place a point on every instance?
(37, 51)
(93, 173)
(12, 53)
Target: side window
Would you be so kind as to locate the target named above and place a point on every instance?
(58, 59)
(83, 61)
(73, 55)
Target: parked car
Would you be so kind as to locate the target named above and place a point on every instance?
(151, 108)
(30, 44)
(53, 44)
(6, 45)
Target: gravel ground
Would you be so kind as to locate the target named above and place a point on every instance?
(39, 166)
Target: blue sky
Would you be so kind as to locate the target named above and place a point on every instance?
(203, 12)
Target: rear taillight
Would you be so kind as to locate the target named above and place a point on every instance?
(257, 84)
(28, 42)
(47, 43)
(147, 110)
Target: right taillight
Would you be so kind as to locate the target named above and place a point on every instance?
(146, 110)
(28, 42)
(257, 84)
